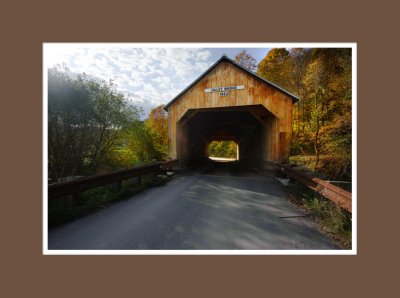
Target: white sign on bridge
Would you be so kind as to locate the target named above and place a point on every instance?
(221, 89)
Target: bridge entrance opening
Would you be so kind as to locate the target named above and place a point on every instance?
(201, 132)
(223, 151)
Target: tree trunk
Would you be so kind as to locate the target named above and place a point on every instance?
(316, 136)
(316, 149)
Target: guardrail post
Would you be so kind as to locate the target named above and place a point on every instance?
(72, 199)
(116, 187)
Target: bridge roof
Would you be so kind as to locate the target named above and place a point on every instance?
(226, 59)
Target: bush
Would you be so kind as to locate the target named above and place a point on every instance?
(334, 220)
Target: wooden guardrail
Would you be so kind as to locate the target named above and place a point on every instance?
(324, 188)
(80, 185)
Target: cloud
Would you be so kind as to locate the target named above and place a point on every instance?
(203, 55)
(163, 82)
(147, 76)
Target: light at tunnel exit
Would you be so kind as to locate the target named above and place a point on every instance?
(223, 150)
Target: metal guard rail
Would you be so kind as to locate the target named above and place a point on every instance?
(332, 192)
(80, 185)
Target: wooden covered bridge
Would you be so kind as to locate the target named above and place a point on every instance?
(229, 102)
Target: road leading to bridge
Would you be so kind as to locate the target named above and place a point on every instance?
(222, 206)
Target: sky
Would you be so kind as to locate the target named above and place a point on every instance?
(147, 74)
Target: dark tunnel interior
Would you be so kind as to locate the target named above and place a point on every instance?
(246, 126)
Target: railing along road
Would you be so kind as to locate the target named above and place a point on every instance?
(86, 183)
(328, 190)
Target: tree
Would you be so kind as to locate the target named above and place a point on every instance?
(62, 118)
(274, 67)
(140, 143)
(336, 141)
(297, 63)
(85, 122)
(157, 123)
(226, 149)
(316, 80)
(145, 140)
(246, 60)
(322, 116)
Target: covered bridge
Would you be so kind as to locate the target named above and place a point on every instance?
(229, 102)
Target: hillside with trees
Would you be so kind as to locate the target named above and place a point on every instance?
(322, 121)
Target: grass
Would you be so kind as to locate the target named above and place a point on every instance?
(64, 209)
(333, 220)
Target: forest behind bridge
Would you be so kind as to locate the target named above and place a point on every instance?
(322, 118)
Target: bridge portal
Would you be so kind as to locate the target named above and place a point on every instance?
(229, 102)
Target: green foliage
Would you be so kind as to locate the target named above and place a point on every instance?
(140, 141)
(85, 122)
(333, 220)
(225, 149)
(143, 141)
(92, 128)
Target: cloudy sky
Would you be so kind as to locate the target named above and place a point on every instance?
(147, 74)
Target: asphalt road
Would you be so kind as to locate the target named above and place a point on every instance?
(223, 206)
